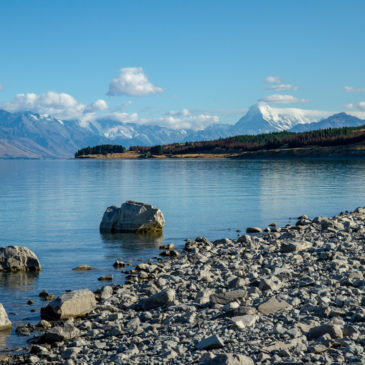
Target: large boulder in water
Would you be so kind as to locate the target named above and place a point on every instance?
(4, 320)
(75, 303)
(18, 258)
(132, 217)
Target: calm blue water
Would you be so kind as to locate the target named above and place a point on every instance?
(55, 207)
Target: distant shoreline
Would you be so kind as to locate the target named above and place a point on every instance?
(344, 151)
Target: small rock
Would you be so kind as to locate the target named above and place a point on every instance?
(119, 263)
(82, 268)
(273, 305)
(106, 278)
(333, 330)
(253, 230)
(228, 359)
(160, 299)
(210, 343)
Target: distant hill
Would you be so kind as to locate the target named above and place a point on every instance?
(324, 142)
(334, 121)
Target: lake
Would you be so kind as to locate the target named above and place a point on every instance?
(55, 207)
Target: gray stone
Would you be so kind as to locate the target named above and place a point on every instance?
(229, 359)
(58, 333)
(245, 321)
(18, 258)
(228, 296)
(132, 217)
(210, 343)
(273, 305)
(287, 247)
(245, 238)
(253, 230)
(160, 299)
(106, 292)
(5, 323)
(335, 331)
(72, 304)
(270, 284)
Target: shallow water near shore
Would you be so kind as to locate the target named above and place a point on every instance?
(55, 207)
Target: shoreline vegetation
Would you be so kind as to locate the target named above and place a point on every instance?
(333, 142)
(292, 294)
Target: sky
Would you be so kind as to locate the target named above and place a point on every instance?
(180, 63)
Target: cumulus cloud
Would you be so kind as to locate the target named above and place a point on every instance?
(357, 106)
(96, 106)
(282, 87)
(282, 99)
(132, 81)
(58, 105)
(272, 80)
(351, 89)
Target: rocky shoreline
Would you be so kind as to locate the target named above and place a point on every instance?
(290, 295)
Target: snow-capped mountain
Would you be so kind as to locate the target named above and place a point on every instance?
(338, 120)
(30, 135)
(262, 118)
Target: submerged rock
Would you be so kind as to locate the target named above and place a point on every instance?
(132, 217)
(73, 304)
(18, 258)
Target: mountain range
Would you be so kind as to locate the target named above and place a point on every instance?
(30, 135)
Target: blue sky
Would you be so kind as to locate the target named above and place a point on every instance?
(201, 58)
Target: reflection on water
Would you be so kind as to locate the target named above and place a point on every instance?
(20, 280)
(54, 208)
(134, 241)
(4, 337)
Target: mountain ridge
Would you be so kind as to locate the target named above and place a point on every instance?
(31, 135)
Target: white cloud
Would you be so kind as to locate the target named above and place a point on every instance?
(184, 119)
(178, 113)
(357, 106)
(58, 105)
(123, 117)
(272, 80)
(132, 81)
(96, 106)
(351, 89)
(282, 87)
(282, 99)
(1, 87)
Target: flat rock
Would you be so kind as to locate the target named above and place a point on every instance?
(228, 296)
(287, 247)
(18, 258)
(210, 343)
(132, 217)
(245, 321)
(273, 305)
(4, 320)
(73, 304)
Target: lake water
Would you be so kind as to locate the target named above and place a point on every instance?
(55, 207)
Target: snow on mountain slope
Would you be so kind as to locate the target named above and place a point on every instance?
(30, 135)
(262, 118)
(338, 120)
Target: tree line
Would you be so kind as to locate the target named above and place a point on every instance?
(242, 143)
